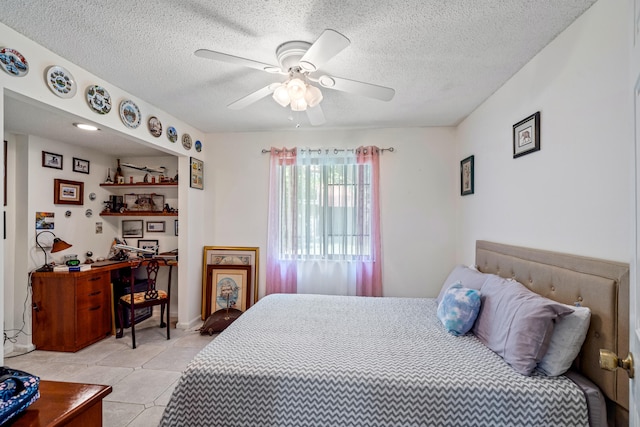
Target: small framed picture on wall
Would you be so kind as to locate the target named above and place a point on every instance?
(81, 166)
(51, 160)
(155, 226)
(526, 135)
(132, 228)
(466, 176)
(197, 174)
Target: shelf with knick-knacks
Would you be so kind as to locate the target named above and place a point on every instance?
(149, 203)
(138, 195)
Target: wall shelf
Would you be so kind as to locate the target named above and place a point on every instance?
(139, 213)
(141, 184)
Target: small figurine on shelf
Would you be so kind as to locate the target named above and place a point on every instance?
(146, 178)
(119, 178)
(108, 180)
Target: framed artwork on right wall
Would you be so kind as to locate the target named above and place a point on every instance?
(526, 135)
(466, 176)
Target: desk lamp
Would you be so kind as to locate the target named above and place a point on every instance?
(58, 245)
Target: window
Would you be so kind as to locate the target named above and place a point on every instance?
(324, 222)
(325, 210)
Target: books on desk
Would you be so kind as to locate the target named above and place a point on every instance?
(67, 268)
(167, 256)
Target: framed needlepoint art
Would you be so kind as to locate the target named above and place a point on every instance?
(526, 135)
(466, 176)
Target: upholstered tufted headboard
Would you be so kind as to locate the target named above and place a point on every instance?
(601, 285)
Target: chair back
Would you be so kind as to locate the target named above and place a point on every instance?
(152, 272)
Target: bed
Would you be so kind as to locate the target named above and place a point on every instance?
(314, 360)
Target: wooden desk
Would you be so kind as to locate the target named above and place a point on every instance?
(65, 404)
(72, 310)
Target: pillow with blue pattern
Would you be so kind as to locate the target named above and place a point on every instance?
(459, 308)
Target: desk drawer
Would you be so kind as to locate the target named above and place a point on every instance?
(92, 290)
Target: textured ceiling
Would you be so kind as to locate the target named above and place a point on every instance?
(443, 58)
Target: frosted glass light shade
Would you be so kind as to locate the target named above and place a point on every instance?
(296, 89)
(313, 96)
(281, 95)
(298, 104)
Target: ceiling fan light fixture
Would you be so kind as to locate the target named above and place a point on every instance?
(298, 104)
(313, 96)
(296, 88)
(281, 95)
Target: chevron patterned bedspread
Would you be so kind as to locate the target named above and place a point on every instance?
(312, 360)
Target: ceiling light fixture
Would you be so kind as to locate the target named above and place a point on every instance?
(296, 92)
(85, 126)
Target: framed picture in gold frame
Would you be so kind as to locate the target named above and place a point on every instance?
(231, 256)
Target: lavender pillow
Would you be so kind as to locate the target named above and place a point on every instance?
(516, 323)
(458, 309)
(468, 277)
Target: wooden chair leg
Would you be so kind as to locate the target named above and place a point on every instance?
(168, 321)
(133, 326)
(162, 324)
(120, 333)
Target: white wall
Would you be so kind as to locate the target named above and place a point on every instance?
(573, 195)
(418, 193)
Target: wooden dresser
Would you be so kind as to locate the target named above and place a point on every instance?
(70, 310)
(65, 404)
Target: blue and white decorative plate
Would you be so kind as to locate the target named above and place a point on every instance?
(130, 114)
(172, 134)
(198, 146)
(13, 62)
(99, 99)
(60, 81)
(186, 141)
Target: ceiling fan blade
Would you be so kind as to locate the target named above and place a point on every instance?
(219, 56)
(329, 44)
(253, 97)
(359, 88)
(316, 116)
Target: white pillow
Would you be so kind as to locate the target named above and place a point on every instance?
(568, 335)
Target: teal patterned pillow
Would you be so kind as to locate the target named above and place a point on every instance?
(459, 308)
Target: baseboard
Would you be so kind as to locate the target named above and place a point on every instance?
(18, 349)
(197, 321)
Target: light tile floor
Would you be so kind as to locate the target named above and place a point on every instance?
(142, 379)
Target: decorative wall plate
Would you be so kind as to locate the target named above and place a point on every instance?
(130, 114)
(155, 126)
(60, 81)
(186, 141)
(172, 134)
(13, 62)
(198, 146)
(99, 99)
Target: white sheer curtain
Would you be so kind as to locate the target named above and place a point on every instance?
(324, 218)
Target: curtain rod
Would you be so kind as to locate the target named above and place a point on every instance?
(335, 150)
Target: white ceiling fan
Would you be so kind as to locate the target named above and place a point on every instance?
(301, 62)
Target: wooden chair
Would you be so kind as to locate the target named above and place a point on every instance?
(147, 298)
